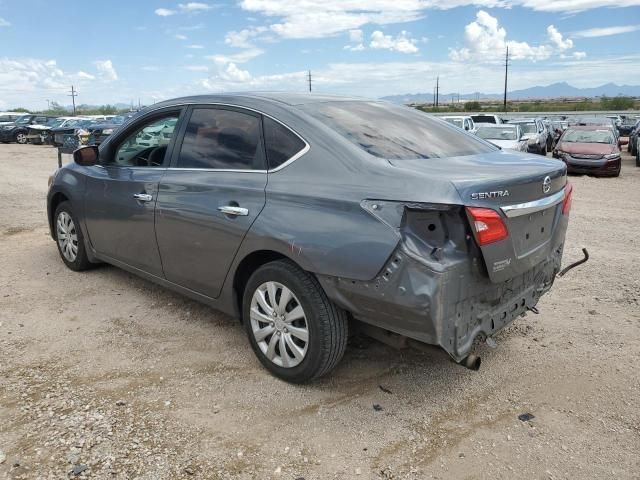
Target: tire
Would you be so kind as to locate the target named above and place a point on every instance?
(21, 138)
(326, 324)
(72, 252)
(543, 150)
(637, 157)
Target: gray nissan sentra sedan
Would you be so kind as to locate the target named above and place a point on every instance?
(305, 215)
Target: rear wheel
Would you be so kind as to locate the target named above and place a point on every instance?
(297, 333)
(21, 138)
(69, 238)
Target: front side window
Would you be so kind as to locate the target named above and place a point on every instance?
(394, 132)
(23, 120)
(280, 142)
(222, 140)
(147, 146)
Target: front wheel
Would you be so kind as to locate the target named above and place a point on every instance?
(69, 238)
(297, 333)
(21, 138)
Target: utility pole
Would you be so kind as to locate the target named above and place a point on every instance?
(48, 105)
(309, 80)
(437, 90)
(434, 97)
(506, 69)
(73, 96)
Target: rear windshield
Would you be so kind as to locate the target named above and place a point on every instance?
(483, 118)
(588, 136)
(492, 133)
(394, 132)
(528, 127)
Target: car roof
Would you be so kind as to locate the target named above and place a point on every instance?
(590, 127)
(279, 97)
(498, 125)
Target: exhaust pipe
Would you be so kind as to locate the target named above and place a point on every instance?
(472, 362)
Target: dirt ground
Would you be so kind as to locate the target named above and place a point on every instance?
(108, 376)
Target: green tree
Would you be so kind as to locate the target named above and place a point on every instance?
(19, 110)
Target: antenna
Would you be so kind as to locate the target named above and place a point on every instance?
(73, 95)
(506, 69)
(309, 79)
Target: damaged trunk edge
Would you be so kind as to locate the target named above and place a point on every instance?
(435, 287)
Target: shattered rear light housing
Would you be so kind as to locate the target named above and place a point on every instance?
(487, 224)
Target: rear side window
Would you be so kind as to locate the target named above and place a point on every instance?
(222, 139)
(394, 132)
(280, 142)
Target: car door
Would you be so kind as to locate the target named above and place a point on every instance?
(210, 196)
(121, 192)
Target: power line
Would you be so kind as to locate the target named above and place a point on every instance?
(506, 70)
(73, 96)
(309, 79)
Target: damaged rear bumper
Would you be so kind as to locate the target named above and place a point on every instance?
(449, 308)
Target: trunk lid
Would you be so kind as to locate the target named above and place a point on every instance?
(526, 190)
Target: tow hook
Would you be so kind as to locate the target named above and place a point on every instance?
(575, 264)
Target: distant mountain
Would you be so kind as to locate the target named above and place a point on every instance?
(555, 90)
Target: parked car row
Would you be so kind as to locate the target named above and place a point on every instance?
(42, 129)
(586, 144)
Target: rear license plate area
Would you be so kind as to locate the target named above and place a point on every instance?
(528, 232)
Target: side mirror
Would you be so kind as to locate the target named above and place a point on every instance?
(86, 156)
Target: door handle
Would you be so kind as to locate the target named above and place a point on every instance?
(143, 197)
(235, 211)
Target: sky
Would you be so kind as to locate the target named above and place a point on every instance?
(150, 50)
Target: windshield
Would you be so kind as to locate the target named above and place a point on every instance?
(455, 121)
(503, 133)
(23, 120)
(55, 122)
(394, 132)
(588, 136)
(528, 127)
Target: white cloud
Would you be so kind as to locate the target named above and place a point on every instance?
(579, 55)
(605, 31)
(356, 36)
(402, 43)
(572, 6)
(150, 68)
(312, 19)
(85, 76)
(106, 70)
(194, 7)
(195, 46)
(179, 36)
(355, 48)
(305, 19)
(242, 38)
(240, 57)
(486, 41)
(556, 38)
(4, 23)
(164, 12)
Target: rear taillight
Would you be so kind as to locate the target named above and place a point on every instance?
(487, 225)
(566, 203)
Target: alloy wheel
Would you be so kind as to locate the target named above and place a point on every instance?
(21, 138)
(67, 236)
(279, 324)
